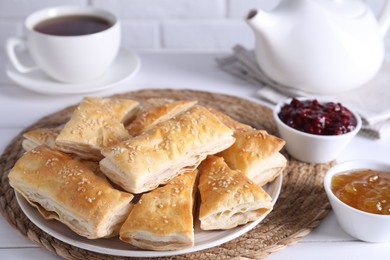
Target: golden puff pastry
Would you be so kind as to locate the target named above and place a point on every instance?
(228, 197)
(170, 148)
(47, 136)
(65, 189)
(230, 122)
(256, 154)
(156, 111)
(163, 218)
(40, 136)
(95, 124)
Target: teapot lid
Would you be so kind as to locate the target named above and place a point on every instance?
(346, 8)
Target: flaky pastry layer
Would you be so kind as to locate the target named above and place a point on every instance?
(67, 190)
(228, 197)
(95, 124)
(163, 218)
(146, 161)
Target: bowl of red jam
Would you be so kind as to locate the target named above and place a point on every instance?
(315, 130)
(359, 192)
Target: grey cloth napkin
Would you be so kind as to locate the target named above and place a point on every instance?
(371, 101)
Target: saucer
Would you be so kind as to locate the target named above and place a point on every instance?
(126, 65)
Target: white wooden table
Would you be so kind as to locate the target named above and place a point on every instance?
(19, 108)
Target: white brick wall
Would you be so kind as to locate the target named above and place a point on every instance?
(164, 9)
(160, 24)
(141, 34)
(205, 34)
(21, 8)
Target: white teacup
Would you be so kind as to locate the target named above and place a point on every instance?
(72, 58)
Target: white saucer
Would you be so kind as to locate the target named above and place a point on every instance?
(126, 65)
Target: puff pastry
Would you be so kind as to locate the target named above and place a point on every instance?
(40, 136)
(156, 111)
(228, 197)
(256, 154)
(65, 189)
(96, 123)
(47, 136)
(170, 148)
(230, 122)
(163, 218)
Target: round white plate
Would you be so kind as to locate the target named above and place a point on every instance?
(113, 246)
(126, 65)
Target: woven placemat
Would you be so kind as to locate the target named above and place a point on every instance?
(301, 206)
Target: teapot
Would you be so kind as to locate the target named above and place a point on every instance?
(320, 46)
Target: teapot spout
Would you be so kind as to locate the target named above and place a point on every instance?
(256, 19)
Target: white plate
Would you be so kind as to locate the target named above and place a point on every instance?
(126, 65)
(113, 246)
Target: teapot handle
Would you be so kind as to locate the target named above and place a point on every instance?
(384, 18)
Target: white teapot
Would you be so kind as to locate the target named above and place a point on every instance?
(320, 46)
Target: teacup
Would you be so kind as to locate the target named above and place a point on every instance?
(71, 44)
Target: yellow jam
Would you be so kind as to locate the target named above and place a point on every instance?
(366, 190)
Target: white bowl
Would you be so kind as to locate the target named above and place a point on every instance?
(313, 148)
(365, 226)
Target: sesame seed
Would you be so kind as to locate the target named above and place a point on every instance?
(51, 161)
(165, 221)
(160, 206)
(82, 189)
(33, 151)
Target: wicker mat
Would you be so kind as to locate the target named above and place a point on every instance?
(301, 206)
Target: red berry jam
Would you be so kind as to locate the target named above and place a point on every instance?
(311, 116)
